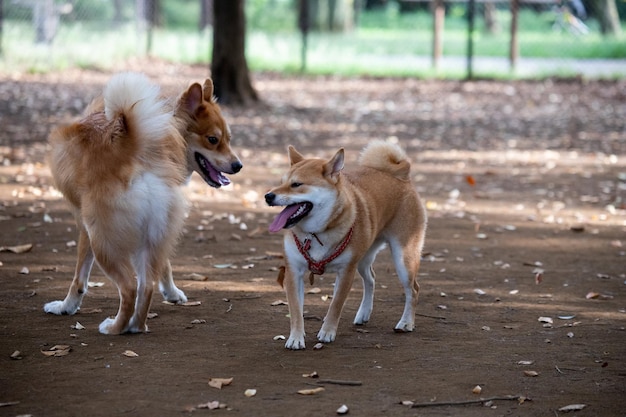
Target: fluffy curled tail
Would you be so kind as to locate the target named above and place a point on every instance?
(133, 97)
(387, 157)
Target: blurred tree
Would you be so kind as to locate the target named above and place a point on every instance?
(118, 16)
(1, 23)
(607, 17)
(229, 68)
(490, 14)
(206, 13)
(331, 15)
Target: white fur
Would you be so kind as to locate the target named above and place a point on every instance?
(133, 94)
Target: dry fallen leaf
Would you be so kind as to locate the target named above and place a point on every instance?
(311, 391)
(17, 355)
(219, 382)
(24, 271)
(315, 290)
(250, 392)
(195, 277)
(17, 248)
(279, 303)
(313, 374)
(477, 389)
(130, 354)
(531, 373)
(343, 409)
(573, 407)
(77, 326)
(57, 350)
(211, 405)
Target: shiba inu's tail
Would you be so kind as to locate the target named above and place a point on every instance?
(387, 157)
(136, 99)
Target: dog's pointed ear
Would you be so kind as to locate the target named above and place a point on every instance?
(191, 99)
(334, 166)
(294, 156)
(208, 90)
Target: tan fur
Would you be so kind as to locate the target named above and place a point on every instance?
(378, 201)
(122, 170)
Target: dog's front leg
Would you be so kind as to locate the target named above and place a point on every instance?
(78, 288)
(343, 283)
(294, 289)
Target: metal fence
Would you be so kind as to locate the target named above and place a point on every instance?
(37, 35)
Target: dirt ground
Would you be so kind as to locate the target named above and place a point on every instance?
(523, 279)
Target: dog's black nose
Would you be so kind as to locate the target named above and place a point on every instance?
(269, 198)
(236, 166)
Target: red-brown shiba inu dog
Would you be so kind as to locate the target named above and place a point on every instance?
(339, 221)
(121, 166)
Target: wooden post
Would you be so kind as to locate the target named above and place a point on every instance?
(514, 48)
(438, 19)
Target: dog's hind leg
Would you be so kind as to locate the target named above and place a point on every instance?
(407, 260)
(167, 287)
(147, 271)
(119, 270)
(78, 288)
(369, 279)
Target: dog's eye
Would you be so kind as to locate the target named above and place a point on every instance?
(295, 184)
(212, 140)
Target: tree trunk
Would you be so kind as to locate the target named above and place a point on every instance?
(229, 68)
(118, 15)
(1, 24)
(46, 20)
(331, 15)
(206, 14)
(491, 18)
(608, 17)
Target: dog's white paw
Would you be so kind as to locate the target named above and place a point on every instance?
(403, 327)
(106, 326)
(59, 308)
(173, 295)
(326, 336)
(361, 318)
(135, 327)
(295, 342)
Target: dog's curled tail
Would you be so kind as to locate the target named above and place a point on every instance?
(387, 157)
(135, 98)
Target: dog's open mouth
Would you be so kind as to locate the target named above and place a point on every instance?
(290, 215)
(209, 173)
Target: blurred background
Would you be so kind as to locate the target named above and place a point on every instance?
(422, 38)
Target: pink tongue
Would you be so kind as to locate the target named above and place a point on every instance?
(281, 220)
(217, 176)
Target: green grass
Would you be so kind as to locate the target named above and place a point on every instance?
(386, 43)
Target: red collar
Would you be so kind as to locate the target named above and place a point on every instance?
(318, 267)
